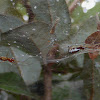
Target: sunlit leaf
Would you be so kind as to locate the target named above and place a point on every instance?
(9, 7)
(79, 16)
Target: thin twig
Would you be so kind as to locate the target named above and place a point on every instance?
(92, 88)
(98, 21)
(74, 5)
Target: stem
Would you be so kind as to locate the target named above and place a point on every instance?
(22, 97)
(47, 82)
(92, 89)
(74, 5)
(98, 21)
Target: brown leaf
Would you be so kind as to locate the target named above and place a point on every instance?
(94, 40)
(93, 55)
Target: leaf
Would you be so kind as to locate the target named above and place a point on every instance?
(27, 66)
(78, 37)
(91, 74)
(41, 10)
(86, 29)
(94, 40)
(49, 11)
(13, 83)
(4, 5)
(59, 94)
(75, 76)
(28, 37)
(6, 66)
(79, 17)
(9, 22)
(14, 7)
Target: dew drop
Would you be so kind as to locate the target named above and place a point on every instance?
(17, 46)
(35, 7)
(8, 43)
(57, 0)
(33, 29)
(15, 42)
(22, 55)
(57, 61)
(26, 17)
(23, 35)
(84, 10)
(72, 20)
(57, 50)
(59, 74)
(10, 28)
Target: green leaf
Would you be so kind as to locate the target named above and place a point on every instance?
(78, 38)
(75, 76)
(9, 23)
(29, 36)
(79, 16)
(59, 94)
(51, 10)
(21, 9)
(13, 83)
(13, 7)
(29, 67)
(4, 5)
(41, 10)
(24, 64)
(91, 77)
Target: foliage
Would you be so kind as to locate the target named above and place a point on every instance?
(30, 44)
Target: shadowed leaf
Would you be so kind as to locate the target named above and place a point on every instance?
(12, 82)
(50, 10)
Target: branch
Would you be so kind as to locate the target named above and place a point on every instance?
(48, 73)
(47, 82)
